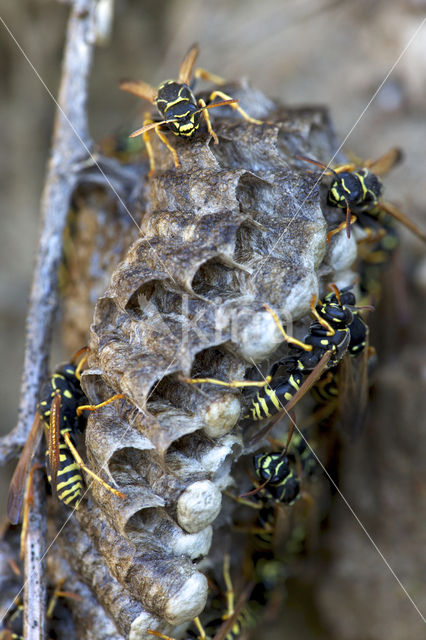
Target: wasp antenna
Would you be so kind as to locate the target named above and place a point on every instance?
(319, 164)
(335, 288)
(217, 104)
(149, 127)
(255, 490)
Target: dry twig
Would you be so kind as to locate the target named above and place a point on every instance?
(70, 143)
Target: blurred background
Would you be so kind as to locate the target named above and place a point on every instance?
(334, 53)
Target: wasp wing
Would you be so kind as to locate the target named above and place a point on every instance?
(385, 163)
(17, 484)
(185, 69)
(55, 411)
(141, 89)
(353, 388)
(402, 218)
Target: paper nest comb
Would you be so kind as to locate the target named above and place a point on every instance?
(237, 225)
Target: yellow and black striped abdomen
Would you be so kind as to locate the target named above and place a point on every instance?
(272, 398)
(69, 480)
(65, 385)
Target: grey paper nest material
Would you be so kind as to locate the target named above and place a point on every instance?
(237, 225)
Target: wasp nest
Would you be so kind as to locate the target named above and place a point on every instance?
(237, 225)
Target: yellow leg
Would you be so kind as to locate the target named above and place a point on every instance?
(53, 600)
(200, 629)
(153, 632)
(234, 384)
(148, 146)
(82, 466)
(164, 140)
(372, 236)
(229, 590)
(94, 407)
(341, 226)
(224, 96)
(243, 501)
(205, 113)
(206, 75)
(58, 593)
(322, 321)
(287, 338)
(80, 366)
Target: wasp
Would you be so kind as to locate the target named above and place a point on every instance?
(278, 481)
(359, 192)
(180, 111)
(358, 328)
(325, 345)
(346, 385)
(60, 412)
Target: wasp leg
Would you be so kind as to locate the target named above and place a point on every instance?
(202, 104)
(164, 140)
(341, 226)
(224, 96)
(80, 462)
(59, 593)
(200, 628)
(372, 236)
(345, 167)
(94, 407)
(206, 75)
(148, 147)
(81, 364)
(234, 384)
(322, 321)
(197, 622)
(230, 598)
(241, 500)
(287, 338)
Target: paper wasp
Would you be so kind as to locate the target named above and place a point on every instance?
(59, 411)
(346, 386)
(279, 483)
(359, 191)
(324, 346)
(180, 111)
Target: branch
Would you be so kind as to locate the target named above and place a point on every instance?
(69, 147)
(67, 150)
(34, 561)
